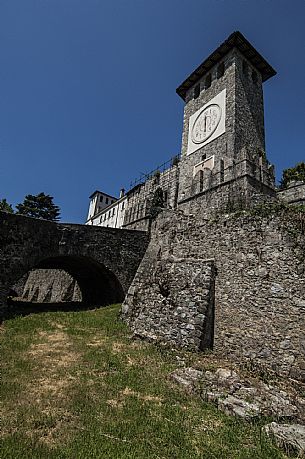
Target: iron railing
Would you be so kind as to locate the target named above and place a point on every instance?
(159, 169)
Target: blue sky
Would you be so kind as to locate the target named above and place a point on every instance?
(87, 87)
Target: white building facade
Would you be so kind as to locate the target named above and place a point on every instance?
(106, 210)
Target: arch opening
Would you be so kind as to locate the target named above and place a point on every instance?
(67, 282)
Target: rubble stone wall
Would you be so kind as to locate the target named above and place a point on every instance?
(259, 286)
(141, 197)
(294, 194)
(180, 295)
(51, 286)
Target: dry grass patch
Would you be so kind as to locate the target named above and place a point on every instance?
(97, 342)
(115, 403)
(120, 401)
(127, 392)
(46, 394)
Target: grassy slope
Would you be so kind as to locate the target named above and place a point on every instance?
(76, 386)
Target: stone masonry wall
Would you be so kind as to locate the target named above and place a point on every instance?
(50, 286)
(259, 285)
(294, 194)
(140, 199)
(240, 170)
(90, 252)
(180, 293)
(221, 147)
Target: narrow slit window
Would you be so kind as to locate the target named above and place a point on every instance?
(245, 68)
(208, 81)
(220, 70)
(197, 91)
(222, 170)
(200, 180)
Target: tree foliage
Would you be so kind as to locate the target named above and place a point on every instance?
(296, 173)
(5, 206)
(39, 206)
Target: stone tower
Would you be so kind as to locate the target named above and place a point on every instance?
(223, 160)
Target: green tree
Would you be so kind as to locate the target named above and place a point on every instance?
(39, 206)
(5, 206)
(294, 173)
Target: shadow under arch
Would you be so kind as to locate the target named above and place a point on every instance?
(99, 286)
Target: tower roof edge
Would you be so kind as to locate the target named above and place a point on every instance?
(235, 40)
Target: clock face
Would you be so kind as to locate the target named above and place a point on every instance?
(206, 123)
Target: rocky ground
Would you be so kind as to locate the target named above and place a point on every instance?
(250, 397)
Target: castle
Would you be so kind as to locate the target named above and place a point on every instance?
(223, 163)
(224, 268)
(205, 252)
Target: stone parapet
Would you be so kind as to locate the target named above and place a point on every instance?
(294, 194)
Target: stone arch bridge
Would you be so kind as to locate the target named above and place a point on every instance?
(103, 261)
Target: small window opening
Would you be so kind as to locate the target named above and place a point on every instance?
(196, 91)
(222, 170)
(101, 198)
(203, 157)
(245, 68)
(208, 81)
(106, 201)
(200, 180)
(220, 70)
